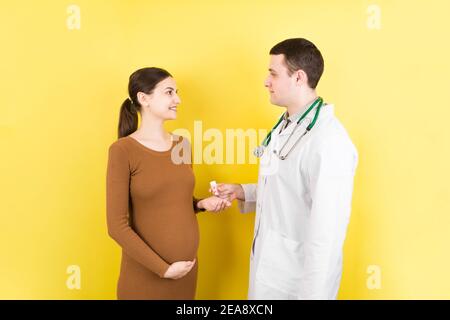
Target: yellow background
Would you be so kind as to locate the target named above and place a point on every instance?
(61, 90)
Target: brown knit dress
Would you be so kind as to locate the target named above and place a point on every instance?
(150, 214)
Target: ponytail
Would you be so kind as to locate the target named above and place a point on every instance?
(128, 119)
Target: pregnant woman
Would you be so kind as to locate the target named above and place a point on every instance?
(151, 211)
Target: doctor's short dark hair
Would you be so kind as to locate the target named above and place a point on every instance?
(301, 54)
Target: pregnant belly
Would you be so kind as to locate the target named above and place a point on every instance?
(174, 237)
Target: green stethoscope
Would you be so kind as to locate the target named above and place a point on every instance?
(259, 151)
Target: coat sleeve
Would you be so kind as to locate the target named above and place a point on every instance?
(330, 173)
(117, 210)
(249, 205)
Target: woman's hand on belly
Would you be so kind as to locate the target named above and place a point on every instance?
(179, 269)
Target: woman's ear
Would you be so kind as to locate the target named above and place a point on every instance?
(142, 99)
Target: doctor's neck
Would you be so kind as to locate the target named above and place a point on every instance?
(305, 98)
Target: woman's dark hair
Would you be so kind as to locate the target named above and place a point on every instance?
(142, 80)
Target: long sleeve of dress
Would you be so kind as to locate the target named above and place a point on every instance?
(117, 211)
(195, 200)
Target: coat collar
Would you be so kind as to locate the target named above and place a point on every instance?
(325, 111)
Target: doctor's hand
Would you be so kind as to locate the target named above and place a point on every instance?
(229, 191)
(214, 204)
(179, 269)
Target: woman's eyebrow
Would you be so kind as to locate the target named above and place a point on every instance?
(171, 89)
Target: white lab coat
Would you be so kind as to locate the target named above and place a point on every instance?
(302, 211)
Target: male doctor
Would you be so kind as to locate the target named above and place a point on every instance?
(304, 191)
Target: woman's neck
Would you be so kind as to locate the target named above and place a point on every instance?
(152, 128)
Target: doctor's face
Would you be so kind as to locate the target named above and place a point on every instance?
(282, 87)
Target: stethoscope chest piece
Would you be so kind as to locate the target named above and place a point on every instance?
(259, 151)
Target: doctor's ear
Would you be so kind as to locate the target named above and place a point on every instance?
(301, 77)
